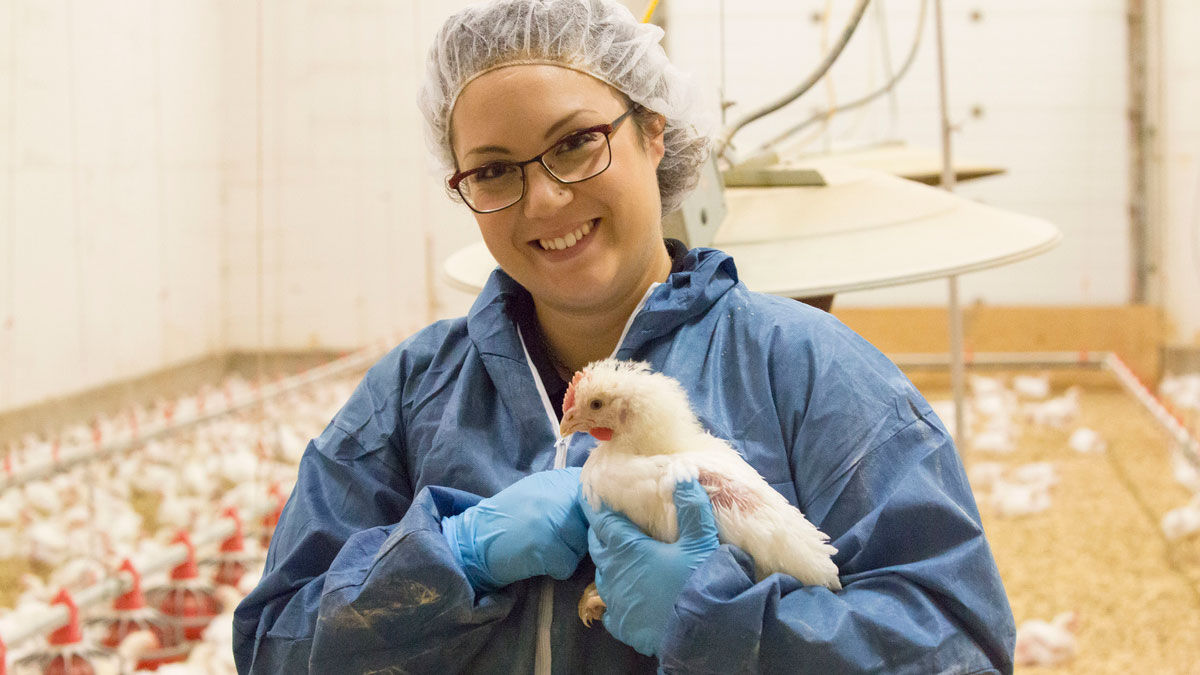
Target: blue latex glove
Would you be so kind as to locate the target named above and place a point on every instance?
(639, 577)
(530, 528)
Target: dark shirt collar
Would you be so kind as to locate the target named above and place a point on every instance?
(522, 312)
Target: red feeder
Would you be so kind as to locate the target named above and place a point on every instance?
(270, 520)
(185, 596)
(67, 654)
(130, 615)
(231, 561)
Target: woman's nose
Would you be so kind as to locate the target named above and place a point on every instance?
(543, 194)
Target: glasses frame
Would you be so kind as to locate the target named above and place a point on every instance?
(607, 129)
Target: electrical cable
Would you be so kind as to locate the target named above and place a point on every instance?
(650, 11)
(830, 90)
(729, 132)
(885, 44)
(887, 87)
(721, 33)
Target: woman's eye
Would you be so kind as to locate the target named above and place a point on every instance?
(491, 171)
(576, 142)
(596, 404)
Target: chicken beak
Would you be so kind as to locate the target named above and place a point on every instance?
(571, 422)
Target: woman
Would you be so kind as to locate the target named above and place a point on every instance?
(436, 525)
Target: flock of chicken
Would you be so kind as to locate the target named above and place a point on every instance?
(74, 528)
(996, 414)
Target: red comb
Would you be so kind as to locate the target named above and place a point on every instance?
(569, 398)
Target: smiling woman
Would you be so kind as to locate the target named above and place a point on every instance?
(583, 293)
(445, 470)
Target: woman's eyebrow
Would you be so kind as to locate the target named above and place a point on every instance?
(557, 125)
(549, 133)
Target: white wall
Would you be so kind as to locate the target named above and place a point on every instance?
(138, 232)
(1048, 77)
(110, 194)
(353, 223)
(1180, 143)
(133, 223)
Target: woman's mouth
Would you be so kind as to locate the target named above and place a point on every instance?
(571, 239)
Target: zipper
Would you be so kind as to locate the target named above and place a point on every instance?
(542, 656)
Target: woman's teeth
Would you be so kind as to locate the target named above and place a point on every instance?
(560, 243)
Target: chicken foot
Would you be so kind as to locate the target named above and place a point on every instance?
(591, 606)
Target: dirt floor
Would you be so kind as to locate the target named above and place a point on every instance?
(1099, 549)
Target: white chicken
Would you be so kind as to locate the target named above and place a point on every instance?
(1032, 386)
(1055, 412)
(1085, 440)
(1182, 521)
(1046, 643)
(649, 440)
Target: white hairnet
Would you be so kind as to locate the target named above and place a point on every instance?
(598, 37)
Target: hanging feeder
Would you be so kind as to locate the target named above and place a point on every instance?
(232, 560)
(67, 654)
(270, 520)
(164, 640)
(186, 596)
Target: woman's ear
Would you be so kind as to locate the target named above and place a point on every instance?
(655, 129)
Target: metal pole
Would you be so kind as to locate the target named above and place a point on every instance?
(957, 366)
(1141, 255)
(961, 433)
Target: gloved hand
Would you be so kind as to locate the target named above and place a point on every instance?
(639, 577)
(530, 528)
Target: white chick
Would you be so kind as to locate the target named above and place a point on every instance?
(1182, 521)
(1085, 440)
(983, 475)
(238, 466)
(1036, 474)
(649, 440)
(982, 385)
(993, 439)
(136, 644)
(1019, 499)
(1185, 472)
(1183, 390)
(996, 405)
(48, 543)
(1032, 386)
(1042, 643)
(1056, 412)
(1025, 490)
(42, 496)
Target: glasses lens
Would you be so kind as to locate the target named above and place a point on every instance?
(493, 187)
(578, 156)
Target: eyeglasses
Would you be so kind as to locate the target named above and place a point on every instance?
(576, 157)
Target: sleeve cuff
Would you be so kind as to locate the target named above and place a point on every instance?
(689, 644)
(448, 506)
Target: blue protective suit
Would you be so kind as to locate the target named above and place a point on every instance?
(359, 577)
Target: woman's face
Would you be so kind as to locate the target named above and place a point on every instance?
(516, 112)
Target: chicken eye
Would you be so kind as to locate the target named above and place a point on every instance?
(596, 404)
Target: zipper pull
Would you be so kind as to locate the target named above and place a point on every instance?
(560, 452)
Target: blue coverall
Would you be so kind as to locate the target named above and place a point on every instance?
(359, 577)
